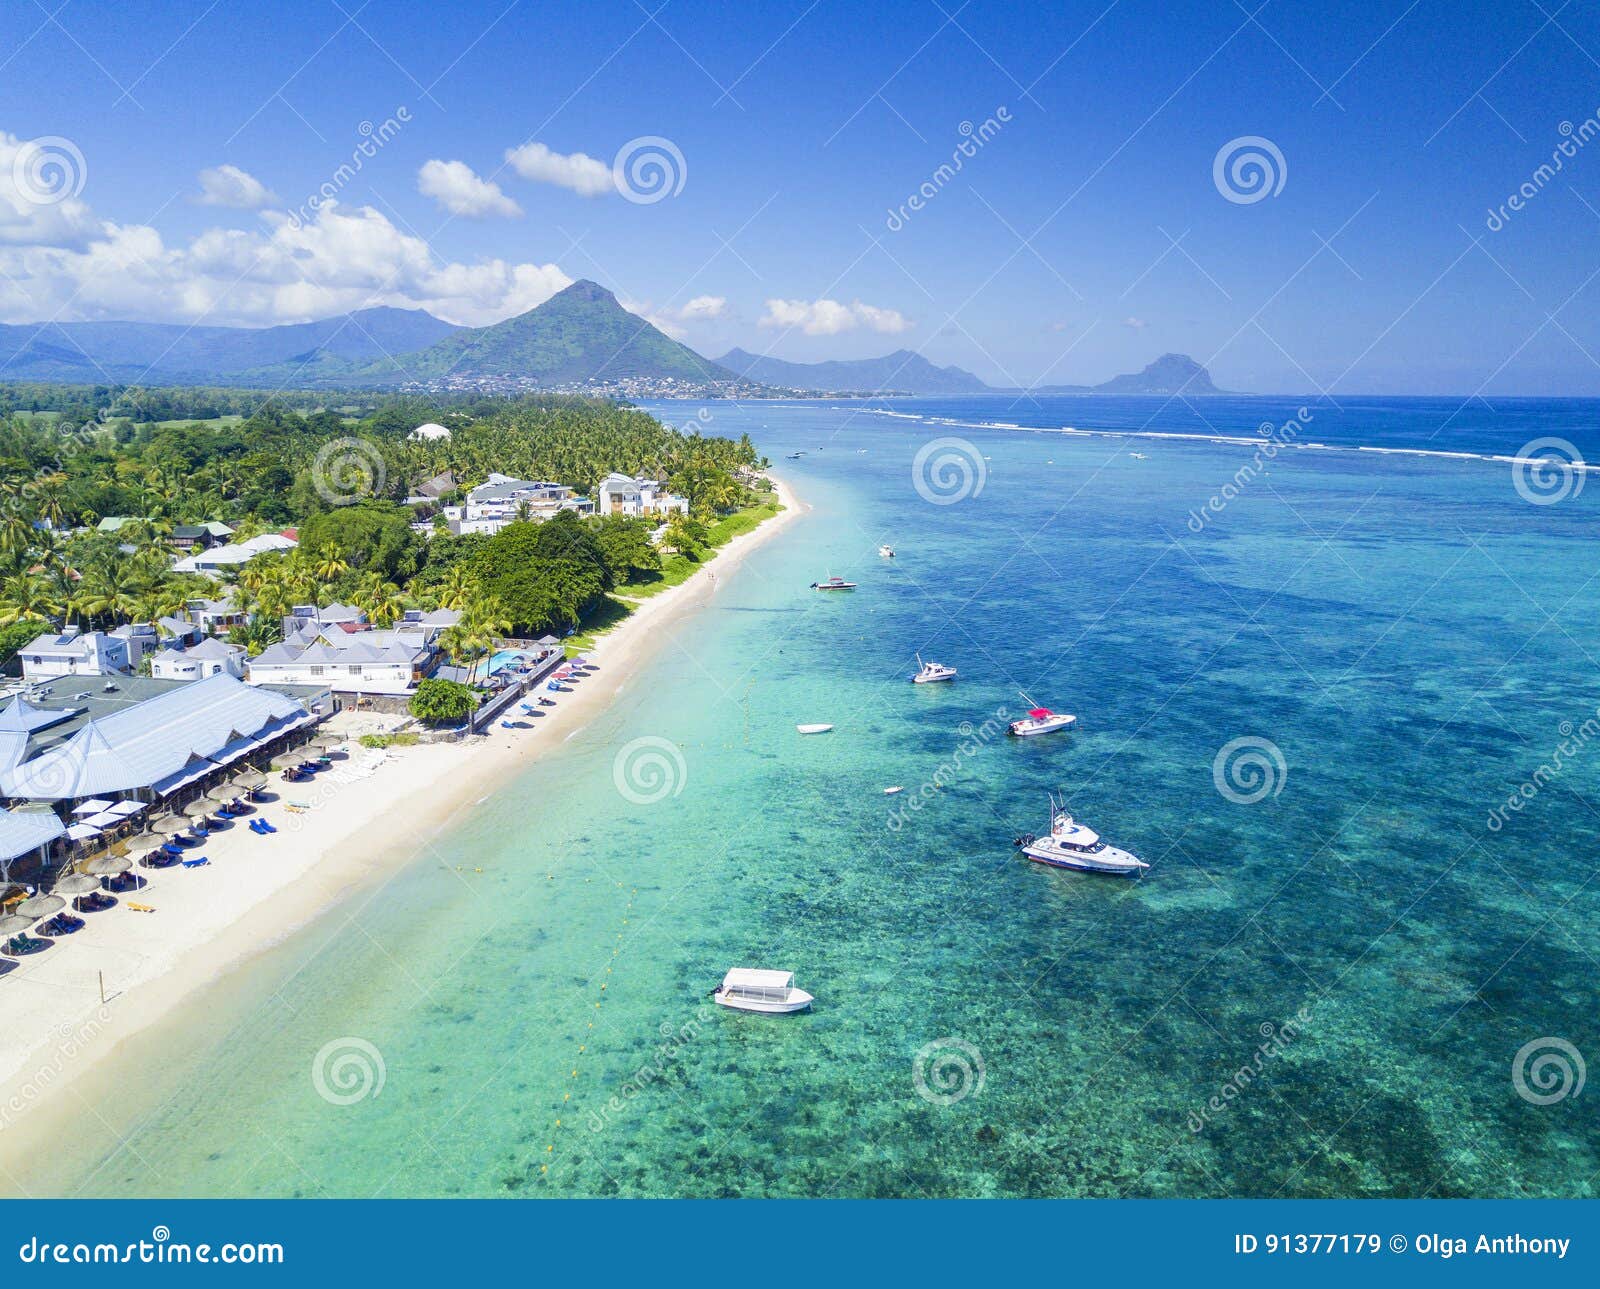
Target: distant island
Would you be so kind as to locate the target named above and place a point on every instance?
(579, 341)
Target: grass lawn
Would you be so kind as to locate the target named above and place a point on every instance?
(675, 570)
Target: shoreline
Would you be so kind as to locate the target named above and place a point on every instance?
(258, 890)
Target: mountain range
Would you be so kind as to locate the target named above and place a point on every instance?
(580, 337)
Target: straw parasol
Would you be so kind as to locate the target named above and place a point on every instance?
(197, 809)
(108, 865)
(169, 826)
(249, 778)
(222, 792)
(40, 906)
(14, 924)
(75, 884)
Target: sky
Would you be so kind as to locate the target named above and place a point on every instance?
(1357, 197)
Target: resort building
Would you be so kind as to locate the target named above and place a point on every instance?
(234, 554)
(433, 489)
(337, 648)
(26, 832)
(636, 496)
(430, 430)
(207, 658)
(151, 739)
(501, 500)
(74, 652)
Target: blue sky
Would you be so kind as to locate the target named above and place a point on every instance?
(1087, 234)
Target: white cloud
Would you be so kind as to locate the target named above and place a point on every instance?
(39, 205)
(664, 321)
(830, 318)
(1137, 324)
(230, 186)
(704, 307)
(578, 171)
(343, 258)
(455, 186)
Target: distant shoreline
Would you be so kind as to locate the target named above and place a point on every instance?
(260, 890)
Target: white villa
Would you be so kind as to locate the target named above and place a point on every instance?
(74, 652)
(233, 554)
(207, 658)
(333, 648)
(635, 496)
(501, 500)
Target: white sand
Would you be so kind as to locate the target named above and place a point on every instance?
(257, 889)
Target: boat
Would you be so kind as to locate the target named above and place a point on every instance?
(795, 456)
(833, 584)
(1138, 456)
(813, 729)
(894, 791)
(886, 551)
(929, 672)
(1041, 720)
(748, 989)
(1077, 846)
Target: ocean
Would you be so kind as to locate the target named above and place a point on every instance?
(1336, 699)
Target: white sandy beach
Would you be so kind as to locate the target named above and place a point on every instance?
(258, 889)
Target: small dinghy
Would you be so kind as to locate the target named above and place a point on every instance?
(894, 791)
(813, 729)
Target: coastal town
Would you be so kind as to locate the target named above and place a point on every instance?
(176, 694)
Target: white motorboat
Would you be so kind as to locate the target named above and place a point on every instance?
(833, 584)
(1041, 720)
(886, 550)
(748, 989)
(929, 672)
(1077, 846)
(1138, 456)
(813, 729)
(894, 791)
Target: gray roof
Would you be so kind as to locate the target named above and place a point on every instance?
(143, 744)
(22, 716)
(213, 649)
(22, 831)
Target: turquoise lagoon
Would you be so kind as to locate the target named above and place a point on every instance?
(1322, 992)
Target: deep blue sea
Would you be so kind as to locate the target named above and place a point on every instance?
(1344, 974)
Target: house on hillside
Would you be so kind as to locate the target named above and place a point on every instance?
(235, 553)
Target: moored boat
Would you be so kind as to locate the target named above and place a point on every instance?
(1041, 720)
(813, 729)
(1073, 845)
(929, 672)
(886, 550)
(833, 584)
(749, 989)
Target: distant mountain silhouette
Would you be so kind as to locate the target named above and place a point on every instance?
(1169, 374)
(901, 372)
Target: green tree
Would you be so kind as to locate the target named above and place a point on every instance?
(438, 702)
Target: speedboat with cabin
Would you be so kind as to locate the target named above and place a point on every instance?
(886, 551)
(833, 584)
(1077, 846)
(748, 989)
(929, 672)
(1041, 720)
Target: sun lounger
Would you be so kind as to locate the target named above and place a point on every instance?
(199, 861)
(140, 908)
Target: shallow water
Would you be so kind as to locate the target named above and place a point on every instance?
(1348, 966)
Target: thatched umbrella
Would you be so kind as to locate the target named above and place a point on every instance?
(223, 792)
(197, 810)
(249, 778)
(14, 924)
(108, 865)
(169, 826)
(75, 884)
(40, 906)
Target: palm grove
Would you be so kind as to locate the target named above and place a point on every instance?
(270, 470)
